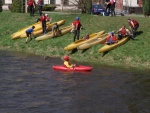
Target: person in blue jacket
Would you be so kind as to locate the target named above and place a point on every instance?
(40, 3)
(29, 32)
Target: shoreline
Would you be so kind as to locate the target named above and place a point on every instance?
(133, 54)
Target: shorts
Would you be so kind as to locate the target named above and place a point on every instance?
(28, 34)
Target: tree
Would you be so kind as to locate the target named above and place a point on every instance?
(88, 6)
(146, 7)
(1, 4)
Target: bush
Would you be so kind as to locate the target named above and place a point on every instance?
(1, 3)
(146, 7)
(16, 6)
(48, 7)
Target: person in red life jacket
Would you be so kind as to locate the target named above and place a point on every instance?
(112, 7)
(31, 6)
(43, 19)
(29, 32)
(40, 3)
(123, 32)
(111, 38)
(134, 25)
(67, 63)
(77, 26)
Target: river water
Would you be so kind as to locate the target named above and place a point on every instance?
(28, 84)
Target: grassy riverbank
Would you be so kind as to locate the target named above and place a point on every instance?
(135, 53)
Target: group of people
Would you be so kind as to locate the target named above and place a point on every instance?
(43, 19)
(123, 32)
(110, 7)
(31, 4)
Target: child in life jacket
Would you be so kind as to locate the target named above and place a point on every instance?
(67, 63)
(111, 38)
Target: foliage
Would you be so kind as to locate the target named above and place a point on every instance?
(17, 6)
(88, 6)
(1, 4)
(146, 7)
(48, 7)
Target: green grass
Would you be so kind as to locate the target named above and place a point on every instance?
(132, 54)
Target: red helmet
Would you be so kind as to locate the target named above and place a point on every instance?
(66, 58)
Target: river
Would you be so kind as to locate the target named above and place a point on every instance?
(28, 84)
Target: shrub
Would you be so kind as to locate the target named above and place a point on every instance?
(16, 6)
(146, 7)
(48, 7)
(1, 3)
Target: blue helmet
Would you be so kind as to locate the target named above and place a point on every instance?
(77, 18)
(111, 33)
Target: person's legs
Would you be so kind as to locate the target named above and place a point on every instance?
(27, 37)
(78, 34)
(40, 10)
(30, 8)
(75, 35)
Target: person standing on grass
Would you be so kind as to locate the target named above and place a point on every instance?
(107, 2)
(31, 6)
(29, 32)
(134, 25)
(40, 3)
(112, 7)
(43, 19)
(77, 26)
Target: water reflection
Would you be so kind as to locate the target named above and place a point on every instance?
(29, 84)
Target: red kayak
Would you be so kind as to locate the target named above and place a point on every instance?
(76, 68)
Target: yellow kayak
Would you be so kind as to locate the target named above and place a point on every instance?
(81, 41)
(63, 31)
(22, 31)
(97, 40)
(40, 31)
(106, 47)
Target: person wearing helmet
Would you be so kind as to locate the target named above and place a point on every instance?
(76, 28)
(111, 38)
(40, 3)
(67, 63)
(29, 32)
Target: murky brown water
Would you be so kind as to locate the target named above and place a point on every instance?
(28, 84)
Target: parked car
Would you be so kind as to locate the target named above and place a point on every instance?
(98, 9)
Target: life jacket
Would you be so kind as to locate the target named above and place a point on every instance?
(77, 24)
(123, 31)
(112, 1)
(40, 2)
(134, 21)
(43, 18)
(30, 3)
(113, 38)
